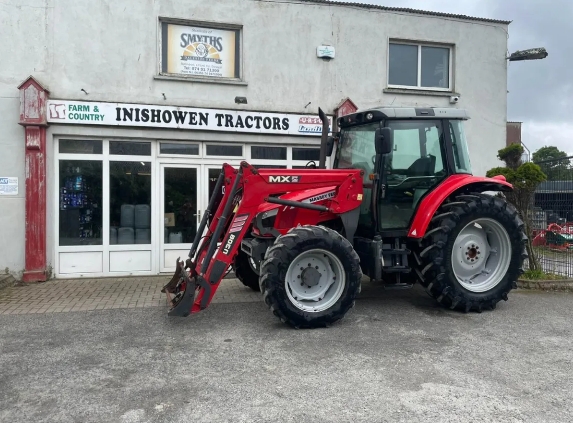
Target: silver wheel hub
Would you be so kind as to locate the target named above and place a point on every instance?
(315, 280)
(481, 255)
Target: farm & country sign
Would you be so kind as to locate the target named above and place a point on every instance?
(118, 114)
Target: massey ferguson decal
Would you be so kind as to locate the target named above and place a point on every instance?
(320, 197)
(234, 231)
(284, 179)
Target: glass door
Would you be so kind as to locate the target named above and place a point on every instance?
(181, 207)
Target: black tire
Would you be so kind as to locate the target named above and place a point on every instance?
(436, 251)
(276, 263)
(244, 272)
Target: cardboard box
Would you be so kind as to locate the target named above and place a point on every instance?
(169, 219)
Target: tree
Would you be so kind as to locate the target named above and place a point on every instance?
(552, 161)
(525, 177)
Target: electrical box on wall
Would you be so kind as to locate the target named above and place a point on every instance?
(325, 52)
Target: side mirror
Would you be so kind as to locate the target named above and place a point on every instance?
(329, 146)
(384, 140)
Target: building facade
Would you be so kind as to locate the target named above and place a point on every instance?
(116, 116)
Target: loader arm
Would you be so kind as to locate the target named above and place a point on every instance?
(195, 282)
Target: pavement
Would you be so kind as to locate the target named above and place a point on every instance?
(396, 357)
(65, 295)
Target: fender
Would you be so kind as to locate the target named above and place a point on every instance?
(432, 202)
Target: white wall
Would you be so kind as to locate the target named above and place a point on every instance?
(110, 49)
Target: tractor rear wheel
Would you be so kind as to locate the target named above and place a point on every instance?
(473, 252)
(245, 272)
(310, 277)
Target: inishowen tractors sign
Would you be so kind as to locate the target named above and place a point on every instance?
(138, 115)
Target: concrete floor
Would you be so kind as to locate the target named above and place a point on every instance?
(396, 357)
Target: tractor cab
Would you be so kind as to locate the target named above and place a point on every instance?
(423, 148)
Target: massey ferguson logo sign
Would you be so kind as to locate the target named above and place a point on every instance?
(284, 179)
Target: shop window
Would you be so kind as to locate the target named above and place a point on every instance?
(224, 150)
(419, 66)
(80, 184)
(130, 202)
(126, 148)
(269, 153)
(305, 153)
(199, 50)
(179, 148)
(80, 146)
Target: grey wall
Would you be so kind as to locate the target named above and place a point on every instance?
(110, 49)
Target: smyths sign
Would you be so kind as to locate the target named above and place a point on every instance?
(116, 114)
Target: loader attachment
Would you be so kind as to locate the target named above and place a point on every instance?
(241, 192)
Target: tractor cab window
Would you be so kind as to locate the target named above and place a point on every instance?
(356, 150)
(415, 166)
(460, 147)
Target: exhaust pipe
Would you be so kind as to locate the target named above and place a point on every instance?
(323, 139)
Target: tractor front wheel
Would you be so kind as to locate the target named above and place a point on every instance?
(473, 252)
(310, 277)
(245, 270)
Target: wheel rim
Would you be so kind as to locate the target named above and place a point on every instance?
(315, 280)
(481, 255)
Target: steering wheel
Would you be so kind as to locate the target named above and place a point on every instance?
(313, 165)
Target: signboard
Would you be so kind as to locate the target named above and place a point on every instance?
(8, 185)
(200, 51)
(189, 118)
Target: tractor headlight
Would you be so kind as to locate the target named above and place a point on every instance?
(369, 116)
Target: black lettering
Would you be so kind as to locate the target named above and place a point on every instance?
(137, 110)
(166, 116)
(155, 115)
(249, 121)
(184, 42)
(145, 115)
(258, 119)
(179, 116)
(219, 117)
(228, 121)
(239, 123)
(118, 114)
(192, 118)
(285, 124)
(219, 44)
(277, 123)
(267, 123)
(204, 119)
(128, 114)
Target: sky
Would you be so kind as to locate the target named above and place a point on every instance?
(541, 91)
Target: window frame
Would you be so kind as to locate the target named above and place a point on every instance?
(239, 55)
(418, 86)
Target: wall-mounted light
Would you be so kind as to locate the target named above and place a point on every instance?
(241, 100)
(530, 54)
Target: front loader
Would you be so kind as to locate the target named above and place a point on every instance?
(400, 206)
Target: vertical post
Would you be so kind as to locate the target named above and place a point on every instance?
(33, 98)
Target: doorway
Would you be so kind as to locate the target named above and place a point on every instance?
(181, 205)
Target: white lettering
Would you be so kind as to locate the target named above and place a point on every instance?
(229, 244)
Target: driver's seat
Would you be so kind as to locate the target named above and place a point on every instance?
(424, 166)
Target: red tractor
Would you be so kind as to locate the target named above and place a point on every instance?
(399, 206)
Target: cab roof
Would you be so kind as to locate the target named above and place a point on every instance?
(381, 113)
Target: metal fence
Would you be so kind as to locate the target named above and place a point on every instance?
(552, 218)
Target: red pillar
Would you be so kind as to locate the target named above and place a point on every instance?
(33, 98)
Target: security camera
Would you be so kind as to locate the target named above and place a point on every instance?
(454, 99)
